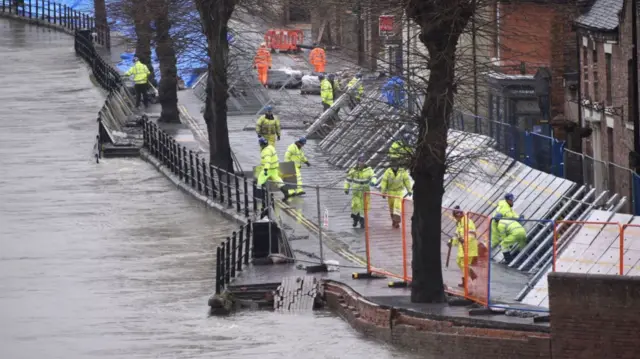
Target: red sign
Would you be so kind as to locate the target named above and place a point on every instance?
(385, 23)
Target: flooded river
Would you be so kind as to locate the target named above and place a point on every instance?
(110, 260)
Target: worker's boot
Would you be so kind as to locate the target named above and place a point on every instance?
(361, 219)
(355, 219)
(285, 190)
(461, 285)
(472, 274)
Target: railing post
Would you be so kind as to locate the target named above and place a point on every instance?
(204, 179)
(238, 206)
(24, 10)
(191, 171)
(180, 162)
(218, 267)
(229, 199)
(247, 247)
(213, 182)
(223, 265)
(246, 196)
(227, 261)
(185, 164)
(255, 200)
(234, 248)
(240, 248)
(174, 147)
(49, 10)
(198, 183)
(220, 187)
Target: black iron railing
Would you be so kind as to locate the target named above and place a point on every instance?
(106, 76)
(232, 255)
(57, 14)
(228, 189)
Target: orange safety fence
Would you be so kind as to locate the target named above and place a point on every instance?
(631, 246)
(389, 248)
(284, 40)
(594, 247)
(384, 242)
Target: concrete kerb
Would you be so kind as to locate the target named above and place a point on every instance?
(38, 22)
(229, 214)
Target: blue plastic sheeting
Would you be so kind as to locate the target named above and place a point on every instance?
(393, 91)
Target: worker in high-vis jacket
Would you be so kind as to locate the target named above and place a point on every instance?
(318, 59)
(326, 92)
(270, 164)
(140, 73)
(464, 223)
(268, 126)
(504, 209)
(359, 181)
(395, 181)
(360, 89)
(400, 149)
(512, 236)
(262, 62)
(296, 155)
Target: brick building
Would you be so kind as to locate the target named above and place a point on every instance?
(534, 52)
(605, 43)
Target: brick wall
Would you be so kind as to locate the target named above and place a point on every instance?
(443, 338)
(615, 155)
(594, 316)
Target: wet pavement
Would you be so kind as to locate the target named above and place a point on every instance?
(111, 260)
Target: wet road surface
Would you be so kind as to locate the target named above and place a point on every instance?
(111, 260)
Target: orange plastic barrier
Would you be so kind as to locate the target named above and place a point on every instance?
(582, 254)
(384, 243)
(389, 249)
(284, 40)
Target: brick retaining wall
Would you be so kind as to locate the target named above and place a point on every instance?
(444, 338)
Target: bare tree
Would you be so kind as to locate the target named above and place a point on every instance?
(215, 16)
(168, 89)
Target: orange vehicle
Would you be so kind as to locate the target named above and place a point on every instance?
(280, 40)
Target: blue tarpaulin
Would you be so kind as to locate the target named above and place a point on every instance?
(393, 91)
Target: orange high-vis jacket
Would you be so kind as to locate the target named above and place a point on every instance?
(263, 57)
(317, 57)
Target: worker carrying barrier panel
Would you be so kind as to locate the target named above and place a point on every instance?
(279, 40)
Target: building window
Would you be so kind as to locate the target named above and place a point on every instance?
(594, 67)
(585, 73)
(608, 60)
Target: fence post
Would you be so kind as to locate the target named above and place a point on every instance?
(247, 247)
(49, 10)
(234, 248)
(176, 159)
(238, 206)
(229, 199)
(218, 266)
(240, 249)
(255, 202)
(204, 179)
(223, 265)
(185, 164)
(220, 187)
(246, 197)
(227, 261)
(213, 182)
(25, 10)
(191, 170)
(198, 185)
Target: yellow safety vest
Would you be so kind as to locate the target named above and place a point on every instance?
(360, 87)
(360, 179)
(505, 210)
(266, 126)
(399, 150)
(326, 92)
(395, 182)
(295, 154)
(269, 158)
(140, 73)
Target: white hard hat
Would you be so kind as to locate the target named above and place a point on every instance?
(264, 44)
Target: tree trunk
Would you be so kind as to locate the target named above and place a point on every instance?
(440, 35)
(168, 89)
(142, 20)
(215, 15)
(102, 27)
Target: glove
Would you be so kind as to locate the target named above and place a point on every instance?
(266, 172)
(449, 244)
(346, 191)
(522, 217)
(258, 135)
(308, 164)
(278, 137)
(384, 196)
